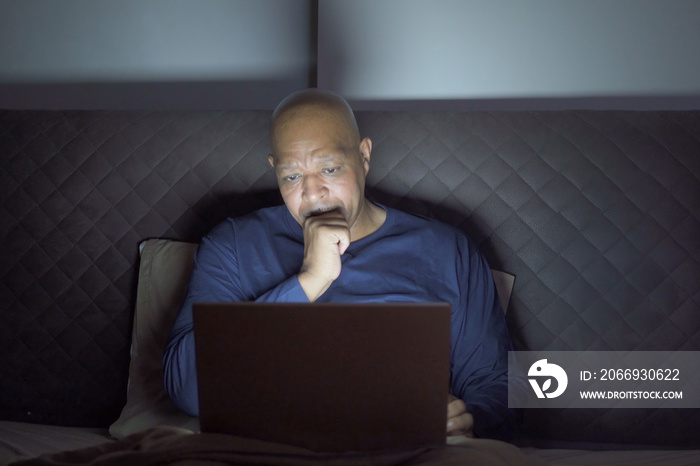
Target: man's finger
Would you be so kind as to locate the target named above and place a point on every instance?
(459, 421)
(455, 407)
(461, 425)
(343, 242)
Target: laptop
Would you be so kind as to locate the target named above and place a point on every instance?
(325, 376)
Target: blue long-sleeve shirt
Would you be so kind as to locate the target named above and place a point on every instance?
(410, 258)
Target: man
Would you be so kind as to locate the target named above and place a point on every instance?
(330, 243)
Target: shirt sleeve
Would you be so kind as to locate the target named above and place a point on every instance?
(214, 279)
(480, 345)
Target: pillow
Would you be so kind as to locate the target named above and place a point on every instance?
(164, 274)
(504, 287)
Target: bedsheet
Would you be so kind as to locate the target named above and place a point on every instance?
(30, 444)
(177, 446)
(20, 439)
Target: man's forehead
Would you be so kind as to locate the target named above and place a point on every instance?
(289, 162)
(313, 133)
(311, 113)
(307, 115)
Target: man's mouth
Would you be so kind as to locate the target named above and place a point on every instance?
(322, 210)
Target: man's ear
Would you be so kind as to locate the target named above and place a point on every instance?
(271, 160)
(365, 153)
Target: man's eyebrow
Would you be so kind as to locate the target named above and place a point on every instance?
(328, 158)
(316, 159)
(285, 167)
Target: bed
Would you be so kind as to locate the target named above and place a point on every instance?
(595, 214)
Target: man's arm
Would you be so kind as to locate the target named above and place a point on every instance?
(216, 278)
(480, 349)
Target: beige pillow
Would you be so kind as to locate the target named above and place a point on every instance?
(504, 287)
(164, 274)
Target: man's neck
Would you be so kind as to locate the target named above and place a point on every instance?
(371, 218)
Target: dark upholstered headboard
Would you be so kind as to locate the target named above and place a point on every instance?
(596, 213)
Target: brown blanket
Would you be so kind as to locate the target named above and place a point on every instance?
(172, 446)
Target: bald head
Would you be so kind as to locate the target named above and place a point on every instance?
(310, 104)
(320, 161)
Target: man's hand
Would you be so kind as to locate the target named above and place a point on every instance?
(326, 237)
(459, 421)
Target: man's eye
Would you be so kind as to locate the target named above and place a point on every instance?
(330, 171)
(290, 178)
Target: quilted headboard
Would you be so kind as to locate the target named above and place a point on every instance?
(596, 213)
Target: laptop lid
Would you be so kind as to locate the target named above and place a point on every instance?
(324, 376)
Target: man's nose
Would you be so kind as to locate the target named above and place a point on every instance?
(313, 189)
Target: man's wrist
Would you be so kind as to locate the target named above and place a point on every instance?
(312, 286)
